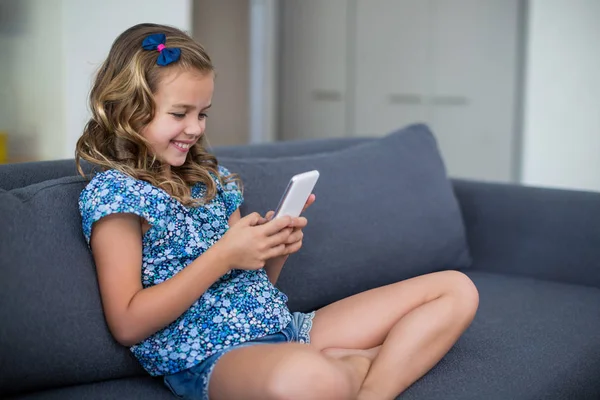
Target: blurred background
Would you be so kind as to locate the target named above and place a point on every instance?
(510, 88)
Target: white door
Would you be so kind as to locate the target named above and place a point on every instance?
(391, 56)
(473, 85)
(368, 67)
(313, 98)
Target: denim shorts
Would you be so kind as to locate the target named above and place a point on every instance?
(192, 383)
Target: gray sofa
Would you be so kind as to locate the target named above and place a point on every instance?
(385, 211)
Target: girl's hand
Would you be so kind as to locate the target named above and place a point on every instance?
(269, 215)
(294, 241)
(252, 241)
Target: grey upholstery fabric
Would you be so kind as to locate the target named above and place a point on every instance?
(406, 213)
(544, 233)
(13, 176)
(288, 148)
(378, 203)
(531, 339)
(145, 388)
(53, 331)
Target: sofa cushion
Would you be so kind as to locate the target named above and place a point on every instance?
(53, 331)
(289, 148)
(381, 203)
(14, 176)
(385, 211)
(139, 388)
(531, 339)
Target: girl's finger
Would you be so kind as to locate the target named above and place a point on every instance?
(292, 248)
(296, 236)
(311, 199)
(300, 222)
(276, 251)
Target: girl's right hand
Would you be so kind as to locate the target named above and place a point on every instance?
(251, 241)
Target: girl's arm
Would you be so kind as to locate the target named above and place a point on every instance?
(274, 266)
(134, 313)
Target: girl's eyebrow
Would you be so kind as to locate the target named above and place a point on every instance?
(189, 107)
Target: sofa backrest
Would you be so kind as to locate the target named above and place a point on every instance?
(13, 176)
(385, 211)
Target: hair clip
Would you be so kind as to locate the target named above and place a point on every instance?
(157, 42)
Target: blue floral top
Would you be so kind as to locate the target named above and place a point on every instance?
(240, 306)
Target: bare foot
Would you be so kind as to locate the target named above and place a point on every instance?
(338, 353)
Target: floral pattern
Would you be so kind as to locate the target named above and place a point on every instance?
(239, 307)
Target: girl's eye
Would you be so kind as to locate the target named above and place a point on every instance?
(178, 115)
(202, 116)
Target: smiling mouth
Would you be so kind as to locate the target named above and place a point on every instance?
(182, 146)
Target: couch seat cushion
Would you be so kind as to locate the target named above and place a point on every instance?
(141, 388)
(53, 331)
(531, 339)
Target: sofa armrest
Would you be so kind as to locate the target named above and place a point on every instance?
(550, 234)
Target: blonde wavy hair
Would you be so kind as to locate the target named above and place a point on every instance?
(122, 104)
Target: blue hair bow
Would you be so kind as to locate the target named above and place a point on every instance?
(157, 42)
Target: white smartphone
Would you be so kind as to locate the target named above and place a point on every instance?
(296, 194)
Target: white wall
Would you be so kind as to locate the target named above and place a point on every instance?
(31, 78)
(264, 75)
(222, 28)
(562, 103)
(51, 50)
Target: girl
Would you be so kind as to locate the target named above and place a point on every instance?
(188, 283)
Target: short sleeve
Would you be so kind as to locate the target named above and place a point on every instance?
(113, 192)
(230, 192)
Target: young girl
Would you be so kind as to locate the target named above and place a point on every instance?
(188, 283)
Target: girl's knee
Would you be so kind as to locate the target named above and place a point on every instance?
(463, 291)
(308, 375)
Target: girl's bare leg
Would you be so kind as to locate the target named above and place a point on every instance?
(289, 371)
(415, 321)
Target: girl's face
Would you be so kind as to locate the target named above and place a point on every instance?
(182, 99)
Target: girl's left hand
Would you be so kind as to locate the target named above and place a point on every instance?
(294, 242)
